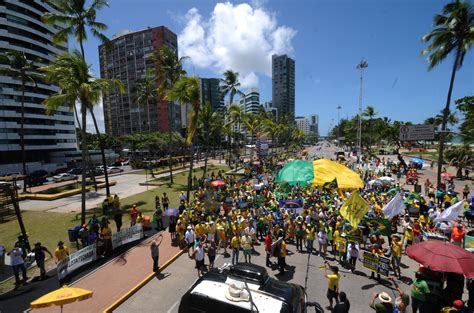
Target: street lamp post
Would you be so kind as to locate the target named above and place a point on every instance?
(361, 66)
(338, 122)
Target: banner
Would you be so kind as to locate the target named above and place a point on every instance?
(354, 209)
(377, 264)
(469, 243)
(451, 213)
(127, 235)
(383, 225)
(291, 204)
(76, 260)
(295, 205)
(394, 207)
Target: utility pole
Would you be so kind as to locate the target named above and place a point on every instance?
(338, 122)
(361, 66)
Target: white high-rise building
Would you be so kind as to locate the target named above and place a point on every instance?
(309, 125)
(250, 101)
(21, 29)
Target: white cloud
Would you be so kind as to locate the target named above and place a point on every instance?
(238, 37)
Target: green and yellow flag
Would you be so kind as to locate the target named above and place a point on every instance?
(469, 243)
(354, 209)
(330, 185)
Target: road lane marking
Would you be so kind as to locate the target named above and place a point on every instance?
(172, 307)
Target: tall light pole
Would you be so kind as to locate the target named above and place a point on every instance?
(361, 66)
(338, 122)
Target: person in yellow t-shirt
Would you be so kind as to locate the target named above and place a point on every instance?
(222, 238)
(396, 248)
(61, 252)
(309, 238)
(282, 258)
(333, 283)
(200, 230)
(235, 244)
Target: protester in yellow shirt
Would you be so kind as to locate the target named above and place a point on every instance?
(61, 252)
(282, 258)
(396, 248)
(309, 238)
(235, 244)
(333, 282)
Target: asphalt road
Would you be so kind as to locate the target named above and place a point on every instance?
(163, 294)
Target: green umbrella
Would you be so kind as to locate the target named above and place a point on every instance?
(296, 172)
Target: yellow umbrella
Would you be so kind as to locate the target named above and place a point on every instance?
(326, 170)
(61, 297)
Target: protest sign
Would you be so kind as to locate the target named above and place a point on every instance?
(376, 263)
(76, 260)
(127, 235)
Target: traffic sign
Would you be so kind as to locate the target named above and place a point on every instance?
(416, 132)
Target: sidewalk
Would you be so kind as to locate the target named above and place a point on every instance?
(118, 276)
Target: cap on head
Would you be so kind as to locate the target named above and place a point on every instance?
(384, 297)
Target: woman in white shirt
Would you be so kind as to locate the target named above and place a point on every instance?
(323, 242)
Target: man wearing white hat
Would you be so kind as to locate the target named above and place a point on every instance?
(384, 306)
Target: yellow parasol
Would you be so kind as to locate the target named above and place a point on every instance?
(61, 297)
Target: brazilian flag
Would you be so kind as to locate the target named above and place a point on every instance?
(330, 185)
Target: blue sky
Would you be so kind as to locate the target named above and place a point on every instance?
(326, 38)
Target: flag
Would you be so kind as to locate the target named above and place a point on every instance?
(450, 213)
(354, 209)
(383, 225)
(330, 185)
(469, 243)
(394, 207)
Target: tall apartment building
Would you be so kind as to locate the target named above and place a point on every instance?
(211, 92)
(283, 85)
(21, 29)
(250, 101)
(128, 58)
(309, 125)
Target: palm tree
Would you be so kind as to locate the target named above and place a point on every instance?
(77, 19)
(230, 85)
(72, 74)
(22, 69)
(187, 91)
(370, 114)
(252, 125)
(453, 32)
(209, 126)
(236, 114)
(168, 71)
(145, 90)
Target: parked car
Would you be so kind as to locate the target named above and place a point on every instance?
(75, 171)
(64, 177)
(114, 169)
(60, 171)
(15, 174)
(37, 178)
(10, 183)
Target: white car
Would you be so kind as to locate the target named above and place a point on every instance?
(64, 177)
(114, 169)
(9, 183)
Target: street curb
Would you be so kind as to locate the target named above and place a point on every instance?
(137, 287)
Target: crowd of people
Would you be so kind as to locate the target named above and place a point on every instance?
(241, 214)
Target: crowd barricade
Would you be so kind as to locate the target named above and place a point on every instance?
(90, 253)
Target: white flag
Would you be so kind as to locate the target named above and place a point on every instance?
(450, 213)
(394, 207)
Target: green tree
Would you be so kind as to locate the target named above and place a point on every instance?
(460, 157)
(72, 74)
(230, 85)
(169, 69)
(145, 91)
(77, 19)
(187, 90)
(466, 106)
(453, 33)
(252, 124)
(20, 68)
(209, 126)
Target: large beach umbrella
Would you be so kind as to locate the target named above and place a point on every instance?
(296, 172)
(443, 257)
(61, 297)
(326, 171)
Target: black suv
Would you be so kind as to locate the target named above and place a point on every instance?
(210, 292)
(37, 178)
